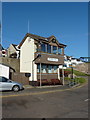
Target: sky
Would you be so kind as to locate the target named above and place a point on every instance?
(67, 21)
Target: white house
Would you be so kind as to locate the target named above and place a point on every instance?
(69, 60)
(40, 57)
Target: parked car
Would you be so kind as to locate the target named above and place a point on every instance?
(7, 84)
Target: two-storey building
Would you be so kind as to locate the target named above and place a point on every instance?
(40, 57)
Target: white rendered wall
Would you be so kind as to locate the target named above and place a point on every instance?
(4, 71)
(26, 58)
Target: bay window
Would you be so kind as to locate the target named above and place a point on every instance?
(59, 50)
(38, 68)
(48, 48)
(55, 69)
(44, 69)
(47, 68)
(43, 47)
(54, 50)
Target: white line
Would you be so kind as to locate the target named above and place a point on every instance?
(86, 100)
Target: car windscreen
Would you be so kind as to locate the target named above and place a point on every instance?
(0, 79)
(3, 79)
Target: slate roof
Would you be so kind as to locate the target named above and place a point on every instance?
(39, 38)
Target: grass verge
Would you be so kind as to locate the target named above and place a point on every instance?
(78, 73)
(77, 80)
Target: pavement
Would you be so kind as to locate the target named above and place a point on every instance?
(65, 86)
(52, 86)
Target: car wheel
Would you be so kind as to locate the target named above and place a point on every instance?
(16, 88)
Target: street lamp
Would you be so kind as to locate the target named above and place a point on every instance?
(72, 71)
(63, 74)
(62, 67)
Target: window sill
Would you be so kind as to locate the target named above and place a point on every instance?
(48, 53)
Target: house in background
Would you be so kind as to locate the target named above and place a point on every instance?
(40, 58)
(85, 59)
(13, 51)
(69, 60)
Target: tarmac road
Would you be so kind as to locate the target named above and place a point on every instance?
(46, 103)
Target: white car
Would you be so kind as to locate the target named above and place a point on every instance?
(7, 84)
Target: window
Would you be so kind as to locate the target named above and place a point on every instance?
(59, 50)
(38, 49)
(55, 69)
(65, 65)
(49, 48)
(49, 69)
(43, 47)
(54, 49)
(44, 69)
(38, 68)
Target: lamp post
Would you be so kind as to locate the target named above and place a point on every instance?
(62, 68)
(40, 75)
(73, 82)
(72, 71)
(63, 74)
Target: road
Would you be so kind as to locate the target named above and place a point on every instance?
(46, 103)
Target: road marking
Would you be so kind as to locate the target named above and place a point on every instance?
(38, 93)
(86, 100)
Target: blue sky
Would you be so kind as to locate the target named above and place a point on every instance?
(67, 21)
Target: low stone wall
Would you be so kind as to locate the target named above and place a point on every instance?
(15, 75)
(12, 62)
(84, 67)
